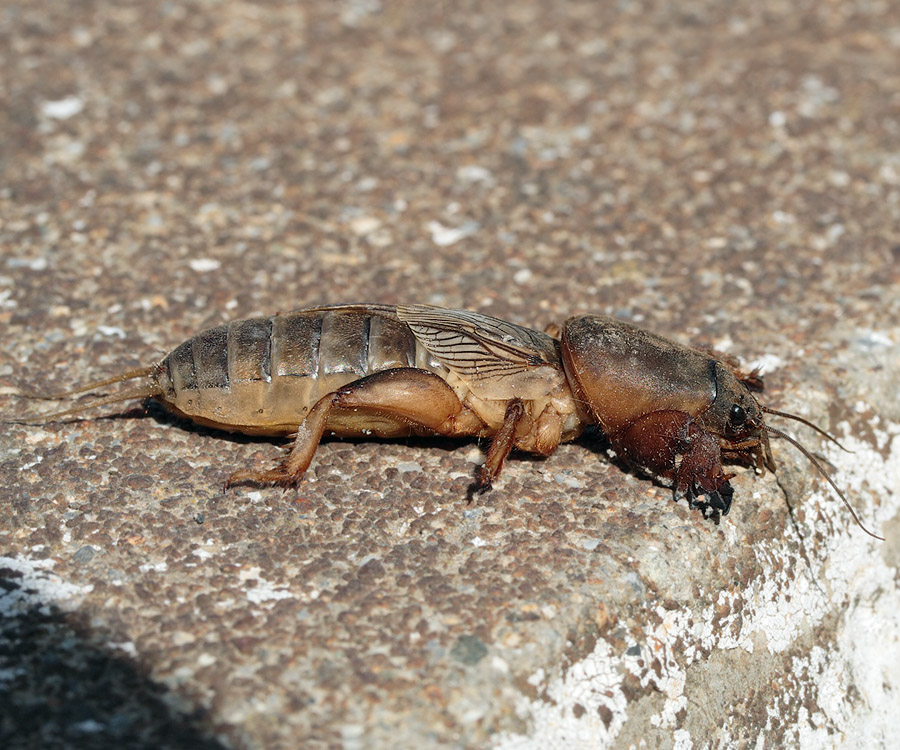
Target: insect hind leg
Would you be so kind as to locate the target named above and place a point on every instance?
(410, 399)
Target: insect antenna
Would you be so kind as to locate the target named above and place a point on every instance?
(818, 467)
(807, 423)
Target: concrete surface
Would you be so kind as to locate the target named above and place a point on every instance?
(726, 173)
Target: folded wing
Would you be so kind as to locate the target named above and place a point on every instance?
(496, 359)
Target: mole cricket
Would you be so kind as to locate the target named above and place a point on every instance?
(357, 370)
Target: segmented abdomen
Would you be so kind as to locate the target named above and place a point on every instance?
(262, 375)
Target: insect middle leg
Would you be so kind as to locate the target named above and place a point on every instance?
(501, 445)
(408, 398)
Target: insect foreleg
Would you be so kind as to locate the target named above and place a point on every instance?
(672, 444)
(700, 470)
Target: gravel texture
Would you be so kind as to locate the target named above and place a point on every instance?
(724, 173)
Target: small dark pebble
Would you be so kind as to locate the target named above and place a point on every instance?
(469, 649)
(84, 555)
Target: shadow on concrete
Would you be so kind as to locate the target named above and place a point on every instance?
(59, 688)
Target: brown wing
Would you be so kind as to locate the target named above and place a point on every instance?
(497, 360)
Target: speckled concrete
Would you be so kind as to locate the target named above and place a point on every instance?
(726, 173)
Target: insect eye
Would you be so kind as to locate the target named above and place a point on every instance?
(738, 416)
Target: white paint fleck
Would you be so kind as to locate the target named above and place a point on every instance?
(500, 664)
(869, 339)
(182, 638)
(127, 647)
(204, 265)
(157, 567)
(261, 589)
(111, 331)
(363, 225)
(593, 683)
(783, 217)
(682, 740)
(445, 236)
(474, 173)
(31, 464)
(567, 480)
(62, 109)
(724, 344)
(353, 736)
(201, 553)
(477, 541)
(36, 587)
(777, 119)
(265, 592)
(33, 264)
(522, 276)
(6, 300)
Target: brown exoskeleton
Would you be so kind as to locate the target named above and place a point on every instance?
(359, 370)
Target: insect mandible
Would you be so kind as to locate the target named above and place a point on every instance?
(355, 370)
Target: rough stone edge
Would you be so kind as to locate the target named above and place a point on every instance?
(573, 708)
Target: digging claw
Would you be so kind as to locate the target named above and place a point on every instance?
(720, 499)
